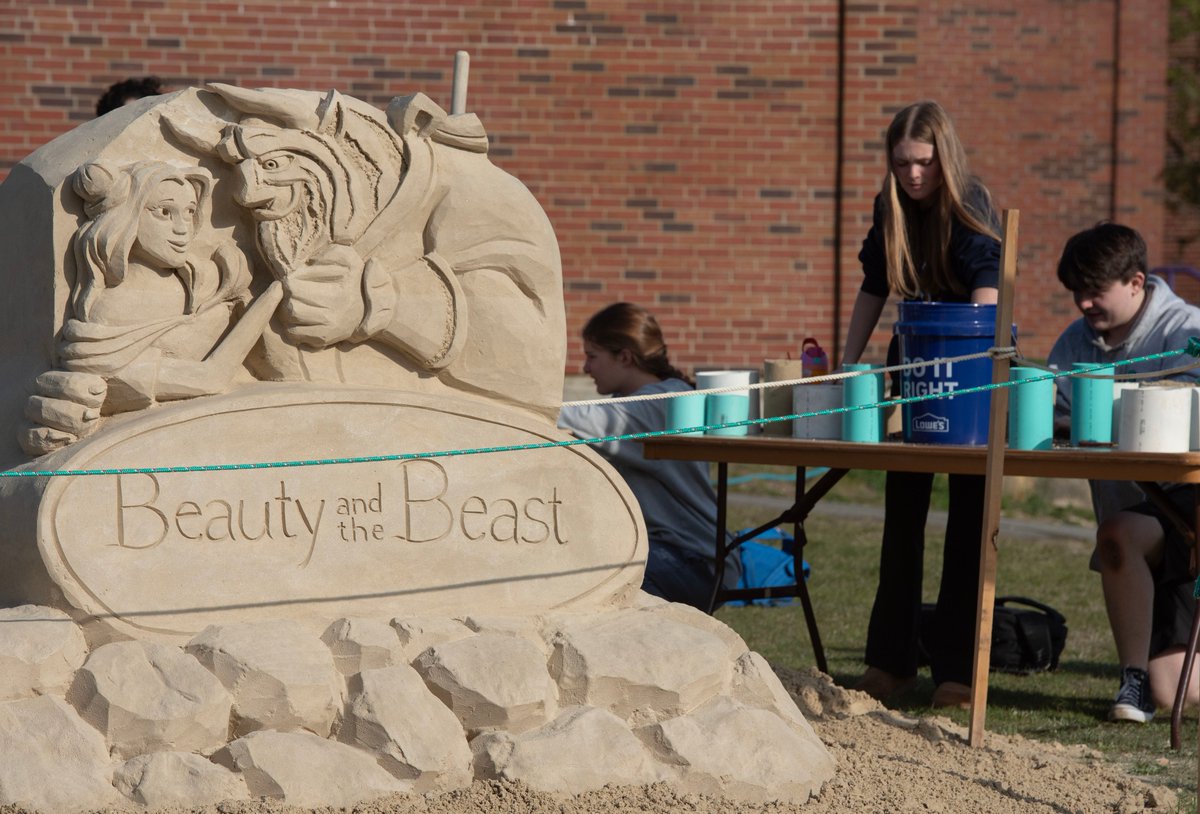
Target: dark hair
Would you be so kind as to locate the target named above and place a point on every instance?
(625, 326)
(121, 92)
(1098, 257)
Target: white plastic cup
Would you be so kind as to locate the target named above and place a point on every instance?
(1156, 419)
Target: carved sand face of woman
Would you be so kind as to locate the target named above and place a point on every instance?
(166, 225)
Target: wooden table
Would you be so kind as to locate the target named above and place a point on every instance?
(842, 456)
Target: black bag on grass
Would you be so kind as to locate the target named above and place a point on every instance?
(1025, 640)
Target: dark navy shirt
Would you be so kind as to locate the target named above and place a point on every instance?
(974, 258)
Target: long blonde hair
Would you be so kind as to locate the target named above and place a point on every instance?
(928, 123)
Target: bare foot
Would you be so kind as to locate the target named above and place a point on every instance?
(952, 694)
(882, 685)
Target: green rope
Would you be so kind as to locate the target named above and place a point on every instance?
(1193, 344)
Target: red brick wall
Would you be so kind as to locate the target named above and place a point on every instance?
(686, 150)
(1031, 88)
(1182, 240)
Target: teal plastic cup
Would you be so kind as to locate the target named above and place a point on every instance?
(862, 425)
(1091, 405)
(684, 412)
(1030, 409)
(721, 408)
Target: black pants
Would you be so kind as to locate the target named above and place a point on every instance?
(892, 634)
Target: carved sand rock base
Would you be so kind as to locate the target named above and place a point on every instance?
(563, 702)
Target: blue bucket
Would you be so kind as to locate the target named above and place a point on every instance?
(939, 330)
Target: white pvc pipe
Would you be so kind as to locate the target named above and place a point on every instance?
(458, 91)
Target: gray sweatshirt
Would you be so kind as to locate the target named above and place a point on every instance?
(1165, 323)
(678, 502)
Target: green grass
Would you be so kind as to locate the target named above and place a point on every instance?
(862, 486)
(1068, 705)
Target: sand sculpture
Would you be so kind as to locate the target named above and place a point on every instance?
(217, 279)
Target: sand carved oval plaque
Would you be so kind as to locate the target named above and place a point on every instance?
(167, 554)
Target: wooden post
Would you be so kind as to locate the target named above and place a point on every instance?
(994, 480)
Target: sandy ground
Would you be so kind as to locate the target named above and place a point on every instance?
(887, 764)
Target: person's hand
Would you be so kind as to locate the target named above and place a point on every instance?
(1062, 426)
(323, 299)
(64, 408)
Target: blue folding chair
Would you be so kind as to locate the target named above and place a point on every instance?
(768, 566)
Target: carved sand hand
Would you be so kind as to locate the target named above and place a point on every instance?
(83, 388)
(178, 379)
(324, 303)
(233, 270)
(236, 346)
(66, 407)
(37, 441)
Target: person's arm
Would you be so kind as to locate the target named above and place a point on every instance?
(1178, 339)
(607, 419)
(873, 293)
(863, 319)
(985, 296)
(602, 420)
(975, 255)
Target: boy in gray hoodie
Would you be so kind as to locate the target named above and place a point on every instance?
(1143, 560)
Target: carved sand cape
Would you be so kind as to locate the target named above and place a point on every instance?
(202, 285)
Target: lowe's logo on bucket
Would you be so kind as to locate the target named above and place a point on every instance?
(929, 422)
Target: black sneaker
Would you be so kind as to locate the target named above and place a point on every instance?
(1133, 700)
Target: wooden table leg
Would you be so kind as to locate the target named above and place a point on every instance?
(994, 483)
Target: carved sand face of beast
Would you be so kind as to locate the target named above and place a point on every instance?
(286, 190)
(310, 177)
